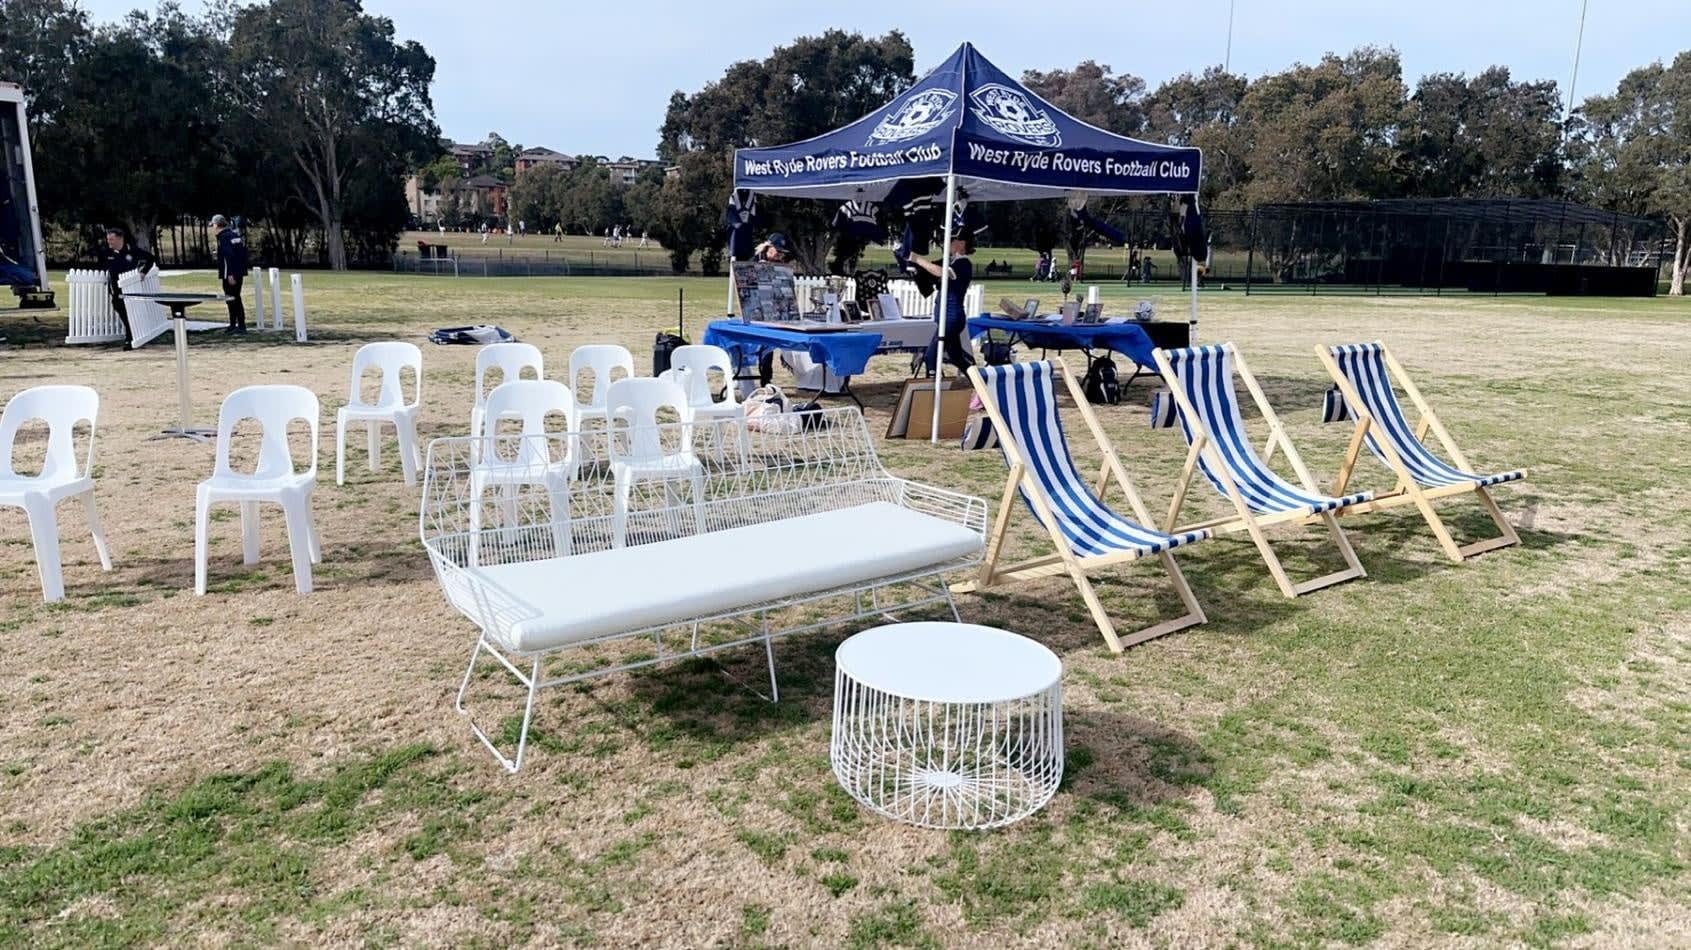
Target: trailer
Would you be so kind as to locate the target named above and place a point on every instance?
(23, 254)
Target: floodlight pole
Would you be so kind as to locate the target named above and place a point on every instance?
(940, 302)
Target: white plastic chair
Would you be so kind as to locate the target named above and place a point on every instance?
(390, 406)
(636, 446)
(699, 361)
(527, 460)
(274, 479)
(61, 407)
(691, 366)
(510, 359)
(600, 359)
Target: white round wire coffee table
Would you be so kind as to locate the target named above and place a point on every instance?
(948, 725)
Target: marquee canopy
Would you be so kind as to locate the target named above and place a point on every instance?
(968, 118)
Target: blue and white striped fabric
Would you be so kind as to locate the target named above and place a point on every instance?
(1205, 375)
(1025, 397)
(1163, 410)
(1364, 364)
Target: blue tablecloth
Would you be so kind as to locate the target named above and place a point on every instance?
(1123, 338)
(846, 353)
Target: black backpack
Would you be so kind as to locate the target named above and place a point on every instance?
(1101, 385)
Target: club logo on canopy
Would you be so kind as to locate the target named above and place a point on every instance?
(916, 116)
(1011, 113)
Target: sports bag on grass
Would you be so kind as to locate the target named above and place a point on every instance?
(1101, 385)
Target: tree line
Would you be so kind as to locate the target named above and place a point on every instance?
(1346, 127)
(309, 114)
(304, 115)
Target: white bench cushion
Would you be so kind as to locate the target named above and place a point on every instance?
(542, 605)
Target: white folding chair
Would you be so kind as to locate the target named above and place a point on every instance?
(636, 447)
(509, 461)
(61, 407)
(390, 406)
(600, 360)
(273, 479)
(511, 360)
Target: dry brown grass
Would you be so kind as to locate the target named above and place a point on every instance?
(1291, 773)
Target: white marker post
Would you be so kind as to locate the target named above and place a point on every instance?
(258, 301)
(299, 309)
(276, 297)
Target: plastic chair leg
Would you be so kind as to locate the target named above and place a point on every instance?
(409, 460)
(340, 450)
(316, 533)
(44, 531)
(249, 532)
(699, 503)
(562, 533)
(202, 506)
(299, 540)
(97, 531)
(619, 512)
(373, 439)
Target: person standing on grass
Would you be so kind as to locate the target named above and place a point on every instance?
(956, 319)
(119, 257)
(231, 270)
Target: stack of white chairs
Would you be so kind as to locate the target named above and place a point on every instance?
(62, 408)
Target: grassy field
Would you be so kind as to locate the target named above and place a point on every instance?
(1496, 753)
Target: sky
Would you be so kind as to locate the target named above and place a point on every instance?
(595, 77)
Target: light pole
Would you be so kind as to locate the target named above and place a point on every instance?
(1579, 42)
(1227, 61)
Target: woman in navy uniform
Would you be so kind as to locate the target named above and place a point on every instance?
(231, 270)
(119, 257)
(956, 320)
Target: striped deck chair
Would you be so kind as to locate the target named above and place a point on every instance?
(1021, 400)
(1364, 373)
(1201, 380)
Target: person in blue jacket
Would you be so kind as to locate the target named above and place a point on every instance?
(956, 319)
(231, 270)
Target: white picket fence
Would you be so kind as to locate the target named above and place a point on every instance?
(92, 319)
(911, 303)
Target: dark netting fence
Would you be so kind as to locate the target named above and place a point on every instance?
(1451, 245)
(1400, 246)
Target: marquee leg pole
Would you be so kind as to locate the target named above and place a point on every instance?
(939, 303)
(1192, 321)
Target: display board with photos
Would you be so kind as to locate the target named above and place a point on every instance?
(766, 291)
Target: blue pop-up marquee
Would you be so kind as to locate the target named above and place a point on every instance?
(985, 134)
(969, 119)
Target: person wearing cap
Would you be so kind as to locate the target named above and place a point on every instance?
(962, 272)
(231, 270)
(119, 257)
(775, 250)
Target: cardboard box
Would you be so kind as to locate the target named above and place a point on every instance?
(913, 417)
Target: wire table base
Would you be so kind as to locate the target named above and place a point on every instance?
(948, 745)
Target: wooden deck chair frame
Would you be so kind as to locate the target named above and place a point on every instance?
(1065, 561)
(1408, 491)
(1244, 519)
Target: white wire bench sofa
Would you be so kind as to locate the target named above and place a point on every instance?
(553, 543)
